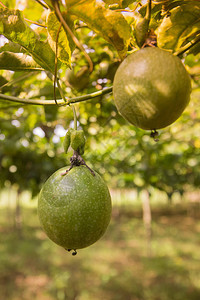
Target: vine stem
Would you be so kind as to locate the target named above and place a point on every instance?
(60, 102)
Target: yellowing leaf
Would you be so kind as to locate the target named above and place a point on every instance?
(65, 43)
(180, 27)
(118, 3)
(107, 23)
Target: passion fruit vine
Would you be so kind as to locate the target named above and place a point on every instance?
(74, 207)
(151, 88)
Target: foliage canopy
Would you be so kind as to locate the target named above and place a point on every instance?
(80, 44)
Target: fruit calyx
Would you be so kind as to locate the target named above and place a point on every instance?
(74, 251)
(76, 160)
(151, 39)
(154, 134)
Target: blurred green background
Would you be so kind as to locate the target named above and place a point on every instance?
(124, 264)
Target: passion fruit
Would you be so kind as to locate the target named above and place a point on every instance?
(74, 208)
(151, 88)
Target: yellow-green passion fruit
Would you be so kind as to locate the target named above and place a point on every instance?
(151, 88)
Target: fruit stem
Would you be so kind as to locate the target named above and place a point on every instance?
(76, 160)
(74, 252)
(75, 117)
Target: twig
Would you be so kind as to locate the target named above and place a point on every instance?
(35, 23)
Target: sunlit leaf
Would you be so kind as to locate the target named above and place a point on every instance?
(15, 29)
(180, 27)
(18, 62)
(108, 23)
(65, 43)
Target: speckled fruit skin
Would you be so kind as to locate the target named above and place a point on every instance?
(151, 88)
(74, 209)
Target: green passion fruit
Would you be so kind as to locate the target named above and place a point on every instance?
(151, 88)
(74, 208)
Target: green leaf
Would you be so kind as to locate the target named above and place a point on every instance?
(17, 62)
(180, 27)
(107, 23)
(15, 29)
(44, 56)
(65, 43)
(12, 47)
